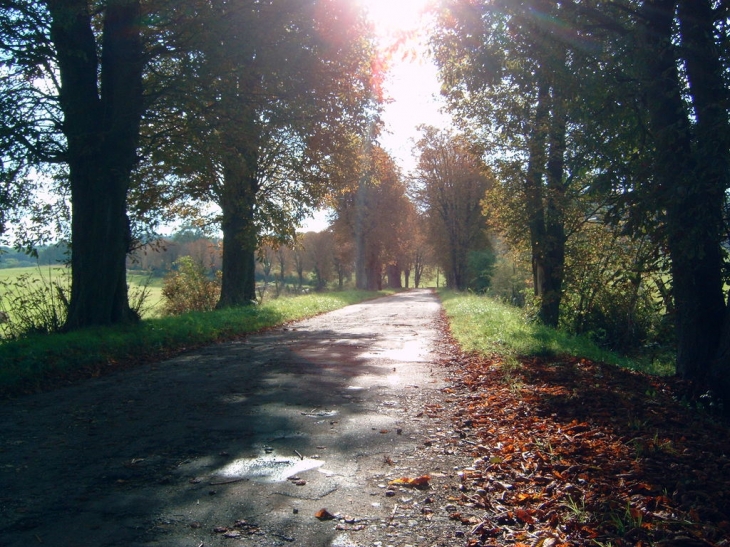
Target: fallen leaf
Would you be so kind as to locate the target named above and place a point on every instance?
(323, 514)
(417, 482)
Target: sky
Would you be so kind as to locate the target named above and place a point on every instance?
(411, 85)
(414, 90)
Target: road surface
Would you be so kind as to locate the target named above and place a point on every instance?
(245, 443)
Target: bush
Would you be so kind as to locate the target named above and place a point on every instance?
(189, 288)
(480, 269)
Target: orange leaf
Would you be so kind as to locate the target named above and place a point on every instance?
(323, 514)
(524, 516)
(418, 482)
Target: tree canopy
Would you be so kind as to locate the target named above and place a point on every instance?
(605, 112)
(141, 109)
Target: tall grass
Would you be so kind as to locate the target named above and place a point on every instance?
(34, 298)
(487, 326)
(28, 364)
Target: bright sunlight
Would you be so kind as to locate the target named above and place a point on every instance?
(394, 18)
(411, 85)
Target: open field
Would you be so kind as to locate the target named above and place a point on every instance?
(9, 274)
(15, 282)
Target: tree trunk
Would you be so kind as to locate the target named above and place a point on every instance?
(361, 258)
(394, 277)
(534, 191)
(712, 147)
(554, 248)
(361, 270)
(102, 108)
(373, 274)
(238, 281)
(693, 207)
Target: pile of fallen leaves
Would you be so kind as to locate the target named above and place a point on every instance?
(571, 452)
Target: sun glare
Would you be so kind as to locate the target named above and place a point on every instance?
(394, 17)
(411, 86)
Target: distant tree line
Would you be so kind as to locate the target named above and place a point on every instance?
(45, 255)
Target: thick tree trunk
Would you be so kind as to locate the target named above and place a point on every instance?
(238, 280)
(361, 258)
(455, 275)
(361, 270)
(102, 108)
(693, 207)
(712, 147)
(394, 276)
(100, 242)
(373, 273)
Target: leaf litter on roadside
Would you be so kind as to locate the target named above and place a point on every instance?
(572, 452)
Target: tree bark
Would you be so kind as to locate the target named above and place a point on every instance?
(534, 191)
(712, 149)
(693, 207)
(554, 247)
(373, 273)
(238, 201)
(394, 276)
(102, 107)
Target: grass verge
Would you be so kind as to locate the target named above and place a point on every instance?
(38, 362)
(487, 326)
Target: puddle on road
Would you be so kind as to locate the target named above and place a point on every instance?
(266, 468)
(320, 413)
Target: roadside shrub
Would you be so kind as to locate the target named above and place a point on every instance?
(35, 303)
(512, 280)
(189, 288)
(610, 290)
(480, 269)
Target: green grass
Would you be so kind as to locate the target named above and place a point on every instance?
(486, 326)
(31, 363)
(135, 280)
(12, 273)
(153, 304)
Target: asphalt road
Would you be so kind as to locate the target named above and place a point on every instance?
(245, 443)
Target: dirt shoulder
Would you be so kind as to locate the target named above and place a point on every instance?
(247, 442)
